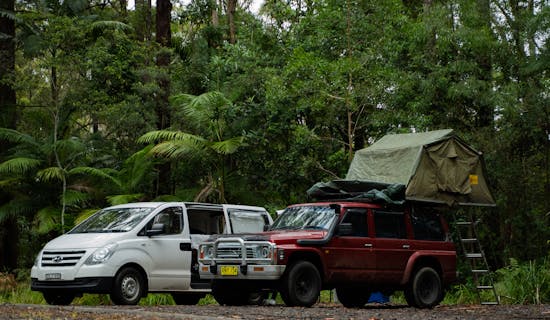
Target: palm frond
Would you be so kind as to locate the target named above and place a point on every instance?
(18, 206)
(111, 25)
(46, 219)
(136, 169)
(124, 198)
(76, 198)
(95, 172)
(15, 136)
(50, 174)
(69, 146)
(19, 165)
(228, 146)
(177, 149)
(207, 106)
(164, 135)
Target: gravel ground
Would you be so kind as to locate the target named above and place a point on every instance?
(319, 311)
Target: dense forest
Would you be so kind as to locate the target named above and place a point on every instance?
(105, 102)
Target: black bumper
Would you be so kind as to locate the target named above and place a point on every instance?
(82, 285)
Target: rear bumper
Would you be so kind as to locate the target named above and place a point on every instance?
(80, 285)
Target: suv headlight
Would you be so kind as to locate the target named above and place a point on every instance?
(206, 251)
(101, 255)
(263, 252)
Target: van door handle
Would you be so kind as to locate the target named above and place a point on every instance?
(406, 246)
(368, 245)
(185, 246)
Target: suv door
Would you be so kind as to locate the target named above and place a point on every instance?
(350, 257)
(170, 252)
(392, 245)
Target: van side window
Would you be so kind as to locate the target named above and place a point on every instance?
(358, 219)
(427, 226)
(171, 218)
(390, 224)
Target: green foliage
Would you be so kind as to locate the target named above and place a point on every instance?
(525, 283)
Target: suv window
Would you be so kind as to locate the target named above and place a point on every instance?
(358, 220)
(427, 226)
(390, 224)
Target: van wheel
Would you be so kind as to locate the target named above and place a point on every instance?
(352, 297)
(230, 293)
(57, 298)
(301, 285)
(186, 298)
(424, 290)
(128, 287)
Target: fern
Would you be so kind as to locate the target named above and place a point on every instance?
(19, 165)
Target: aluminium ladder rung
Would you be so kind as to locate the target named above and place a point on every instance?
(474, 255)
(485, 287)
(490, 303)
(469, 240)
(480, 271)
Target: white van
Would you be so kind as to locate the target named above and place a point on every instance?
(130, 250)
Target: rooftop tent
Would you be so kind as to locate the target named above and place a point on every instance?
(434, 166)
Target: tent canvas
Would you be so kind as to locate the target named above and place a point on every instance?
(434, 166)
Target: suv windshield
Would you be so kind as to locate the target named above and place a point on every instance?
(305, 217)
(113, 220)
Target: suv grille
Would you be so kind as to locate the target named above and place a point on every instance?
(227, 252)
(61, 258)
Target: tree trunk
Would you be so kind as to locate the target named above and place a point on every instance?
(164, 38)
(231, 8)
(9, 229)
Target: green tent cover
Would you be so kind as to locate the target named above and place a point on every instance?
(434, 166)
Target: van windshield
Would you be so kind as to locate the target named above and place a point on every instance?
(113, 220)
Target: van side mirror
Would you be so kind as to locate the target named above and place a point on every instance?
(156, 229)
(344, 229)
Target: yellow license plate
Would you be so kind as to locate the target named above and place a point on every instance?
(229, 270)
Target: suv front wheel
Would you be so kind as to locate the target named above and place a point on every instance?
(301, 285)
(424, 290)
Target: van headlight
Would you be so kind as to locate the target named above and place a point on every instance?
(101, 255)
(37, 259)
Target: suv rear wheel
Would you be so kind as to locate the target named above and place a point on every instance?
(424, 290)
(301, 285)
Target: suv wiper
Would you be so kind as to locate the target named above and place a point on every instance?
(285, 228)
(313, 227)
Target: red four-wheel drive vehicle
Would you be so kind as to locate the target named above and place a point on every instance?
(355, 247)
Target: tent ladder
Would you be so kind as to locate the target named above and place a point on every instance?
(471, 248)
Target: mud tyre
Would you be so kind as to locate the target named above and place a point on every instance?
(301, 285)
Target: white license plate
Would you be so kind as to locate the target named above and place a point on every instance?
(229, 270)
(53, 276)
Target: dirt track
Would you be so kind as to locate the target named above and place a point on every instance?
(319, 311)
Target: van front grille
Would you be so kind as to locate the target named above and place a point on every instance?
(61, 258)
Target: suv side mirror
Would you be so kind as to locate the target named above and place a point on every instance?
(156, 229)
(345, 229)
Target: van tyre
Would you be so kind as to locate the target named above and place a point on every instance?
(128, 287)
(425, 289)
(57, 298)
(301, 285)
(352, 297)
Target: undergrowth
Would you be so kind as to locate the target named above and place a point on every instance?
(518, 283)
